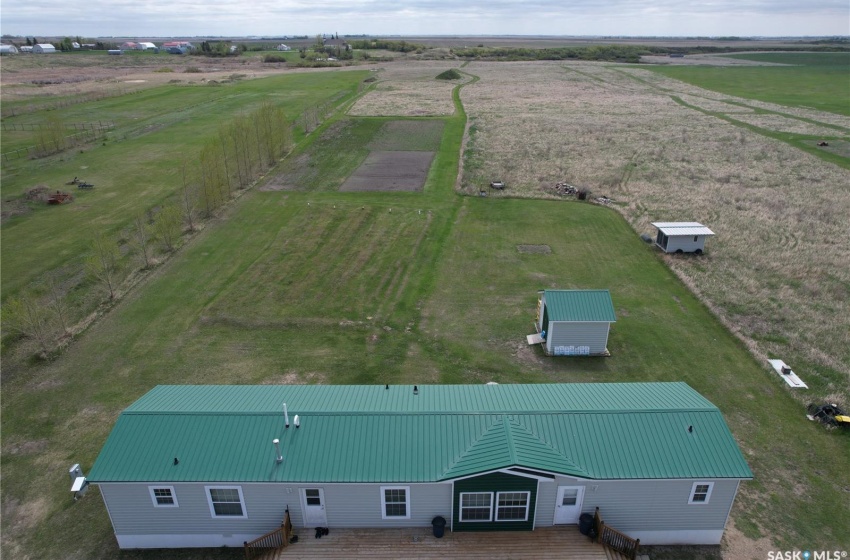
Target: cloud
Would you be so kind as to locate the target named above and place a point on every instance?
(412, 17)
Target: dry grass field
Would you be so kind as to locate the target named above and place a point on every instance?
(408, 90)
(778, 270)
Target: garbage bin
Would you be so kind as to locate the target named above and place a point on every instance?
(439, 524)
(585, 523)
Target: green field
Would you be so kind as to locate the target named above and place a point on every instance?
(816, 80)
(311, 285)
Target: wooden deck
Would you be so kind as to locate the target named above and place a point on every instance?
(548, 543)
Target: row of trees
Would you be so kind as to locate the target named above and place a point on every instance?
(244, 149)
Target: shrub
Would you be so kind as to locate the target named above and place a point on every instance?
(192, 70)
(450, 75)
(274, 58)
(164, 70)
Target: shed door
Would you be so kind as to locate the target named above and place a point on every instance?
(313, 500)
(568, 505)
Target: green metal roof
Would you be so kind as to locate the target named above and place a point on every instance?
(580, 305)
(377, 434)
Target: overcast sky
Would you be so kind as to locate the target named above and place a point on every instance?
(167, 18)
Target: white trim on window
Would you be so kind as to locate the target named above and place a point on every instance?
(514, 501)
(478, 507)
(395, 501)
(701, 492)
(225, 501)
(163, 496)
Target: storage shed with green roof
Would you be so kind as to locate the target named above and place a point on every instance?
(574, 322)
(210, 466)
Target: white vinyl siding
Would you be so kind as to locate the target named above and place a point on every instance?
(226, 501)
(476, 506)
(512, 506)
(163, 496)
(700, 492)
(395, 502)
(572, 337)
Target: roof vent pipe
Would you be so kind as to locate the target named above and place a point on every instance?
(415, 389)
(278, 456)
(297, 421)
(285, 415)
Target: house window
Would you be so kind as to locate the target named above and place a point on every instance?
(395, 502)
(700, 492)
(163, 496)
(476, 506)
(695, 238)
(226, 501)
(512, 506)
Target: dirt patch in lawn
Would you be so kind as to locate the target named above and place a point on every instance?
(534, 249)
(391, 171)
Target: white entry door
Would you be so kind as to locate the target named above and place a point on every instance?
(313, 501)
(568, 506)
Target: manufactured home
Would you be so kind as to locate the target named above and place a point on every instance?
(574, 322)
(681, 237)
(211, 466)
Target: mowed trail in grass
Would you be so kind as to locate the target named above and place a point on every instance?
(815, 81)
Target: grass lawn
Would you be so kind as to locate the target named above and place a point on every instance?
(156, 130)
(817, 80)
(318, 286)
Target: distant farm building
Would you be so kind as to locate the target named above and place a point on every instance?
(43, 48)
(681, 237)
(129, 46)
(115, 52)
(25, 49)
(178, 47)
(147, 47)
(282, 47)
(8, 49)
(574, 322)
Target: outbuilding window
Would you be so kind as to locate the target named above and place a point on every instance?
(701, 492)
(395, 502)
(163, 496)
(226, 501)
(476, 506)
(512, 506)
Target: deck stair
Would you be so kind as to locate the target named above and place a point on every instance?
(618, 546)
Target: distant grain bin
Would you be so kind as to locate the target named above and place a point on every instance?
(681, 237)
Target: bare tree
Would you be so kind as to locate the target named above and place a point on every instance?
(168, 226)
(104, 263)
(27, 316)
(188, 197)
(141, 237)
(57, 301)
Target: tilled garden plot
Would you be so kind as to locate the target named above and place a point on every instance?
(391, 171)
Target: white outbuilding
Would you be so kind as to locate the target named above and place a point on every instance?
(681, 237)
(43, 48)
(145, 46)
(8, 49)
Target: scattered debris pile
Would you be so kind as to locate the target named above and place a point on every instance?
(828, 414)
(38, 193)
(565, 189)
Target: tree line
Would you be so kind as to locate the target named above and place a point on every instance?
(241, 152)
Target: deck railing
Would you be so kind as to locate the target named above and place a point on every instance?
(614, 539)
(273, 540)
